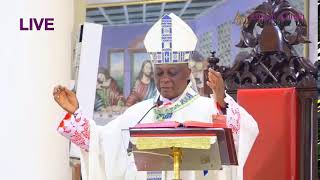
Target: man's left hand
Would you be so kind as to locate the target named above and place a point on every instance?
(216, 84)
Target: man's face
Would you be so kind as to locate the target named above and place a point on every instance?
(171, 79)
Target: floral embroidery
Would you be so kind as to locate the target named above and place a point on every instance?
(76, 129)
(233, 115)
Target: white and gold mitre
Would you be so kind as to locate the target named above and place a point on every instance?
(170, 40)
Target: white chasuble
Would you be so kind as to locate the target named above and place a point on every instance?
(107, 157)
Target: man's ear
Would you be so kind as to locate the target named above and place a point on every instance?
(188, 72)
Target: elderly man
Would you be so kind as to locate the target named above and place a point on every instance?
(170, 43)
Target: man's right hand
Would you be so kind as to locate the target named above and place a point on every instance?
(66, 99)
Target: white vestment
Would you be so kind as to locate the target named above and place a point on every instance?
(108, 158)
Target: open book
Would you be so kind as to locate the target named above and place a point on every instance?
(186, 124)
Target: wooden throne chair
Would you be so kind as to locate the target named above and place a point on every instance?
(278, 88)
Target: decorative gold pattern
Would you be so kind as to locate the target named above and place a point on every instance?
(143, 143)
(241, 20)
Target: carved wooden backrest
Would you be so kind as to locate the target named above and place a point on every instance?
(274, 63)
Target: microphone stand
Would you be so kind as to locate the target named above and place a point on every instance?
(157, 104)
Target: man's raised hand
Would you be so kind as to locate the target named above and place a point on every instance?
(216, 84)
(66, 99)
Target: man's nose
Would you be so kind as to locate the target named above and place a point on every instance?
(164, 80)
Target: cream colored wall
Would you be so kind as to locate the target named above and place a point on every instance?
(31, 64)
(79, 12)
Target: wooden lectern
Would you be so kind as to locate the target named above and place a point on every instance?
(165, 149)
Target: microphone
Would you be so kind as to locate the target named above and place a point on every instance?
(157, 104)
